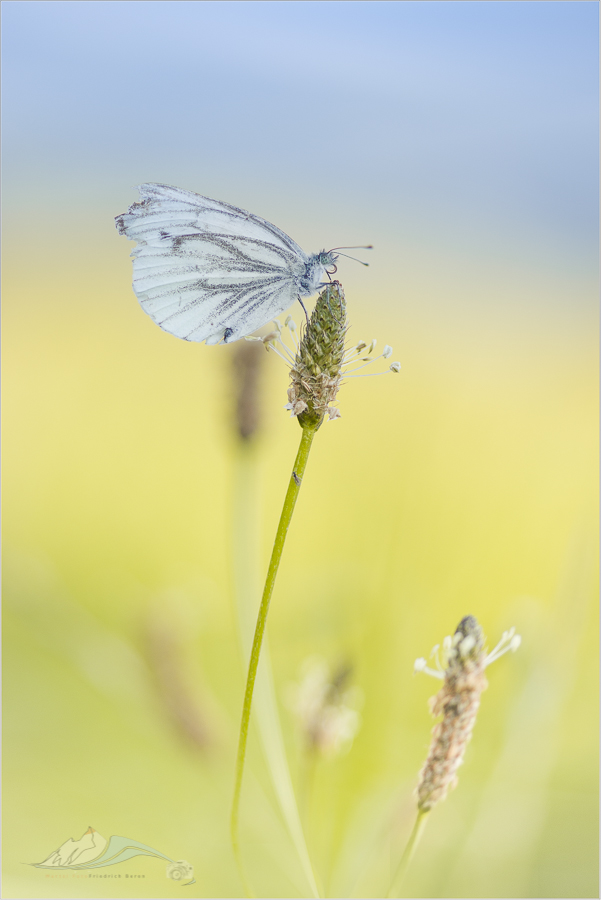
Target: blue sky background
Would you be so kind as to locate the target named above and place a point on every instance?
(471, 127)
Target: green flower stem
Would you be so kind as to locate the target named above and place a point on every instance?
(247, 590)
(276, 555)
(414, 839)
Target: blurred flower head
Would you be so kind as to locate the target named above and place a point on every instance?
(247, 362)
(325, 707)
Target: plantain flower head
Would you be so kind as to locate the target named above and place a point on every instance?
(321, 360)
(464, 660)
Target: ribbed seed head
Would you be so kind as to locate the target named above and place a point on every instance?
(457, 701)
(316, 374)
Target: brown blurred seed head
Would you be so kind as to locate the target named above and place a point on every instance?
(247, 362)
(457, 701)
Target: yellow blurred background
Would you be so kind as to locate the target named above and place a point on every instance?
(466, 484)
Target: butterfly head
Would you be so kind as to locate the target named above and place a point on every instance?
(318, 263)
(327, 259)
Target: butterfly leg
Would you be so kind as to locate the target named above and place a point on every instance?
(304, 310)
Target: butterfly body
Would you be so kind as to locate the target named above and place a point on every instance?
(315, 269)
(207, 271)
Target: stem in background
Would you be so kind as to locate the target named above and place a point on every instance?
(307, 777)
(280, 538)
(418, 830)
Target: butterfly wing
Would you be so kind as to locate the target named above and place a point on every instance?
(206, 270)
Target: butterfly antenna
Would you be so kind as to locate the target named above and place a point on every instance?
(361, 247)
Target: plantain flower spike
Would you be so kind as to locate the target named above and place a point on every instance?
(321, 361)
(317, 371)
(463, 662)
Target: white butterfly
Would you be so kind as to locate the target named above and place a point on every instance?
(207, 271)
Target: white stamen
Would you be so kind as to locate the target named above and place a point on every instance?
(272, 346)
(434, 653)
(366, 375)
(420, 665)
(367, 361)
(395, 367)
(460, 645)
(288, 353)
(387, 351)
(509, 641)
(285, 348)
